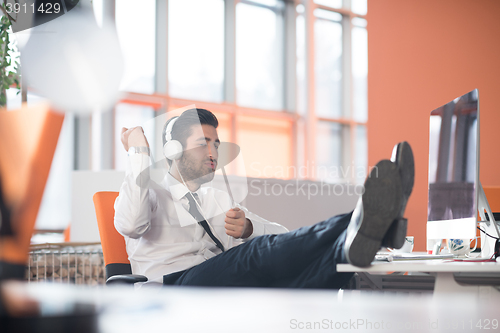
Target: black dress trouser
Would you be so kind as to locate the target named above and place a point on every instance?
(302, 258)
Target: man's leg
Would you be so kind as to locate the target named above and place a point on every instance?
(378, 218)
(375, 212)
(321, 273)
(303, 258)
(307, 257)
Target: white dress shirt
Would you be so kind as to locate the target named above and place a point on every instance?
(160, 234)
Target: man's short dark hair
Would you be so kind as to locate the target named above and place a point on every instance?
(182, 128)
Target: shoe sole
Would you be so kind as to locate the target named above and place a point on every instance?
(402, 156)
(396, 235)
(381, 205)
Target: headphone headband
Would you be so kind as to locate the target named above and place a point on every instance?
(172, 149)
(170, 127)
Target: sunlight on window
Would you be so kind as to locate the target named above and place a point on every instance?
(330, 3)
(329, 152)
(13, 98)
(327, 15)
(135, 26)
(359, 6)
(196, 49)
(259, 58)
(128, 115)
(360, 70)
(266, 2)
(328, 67)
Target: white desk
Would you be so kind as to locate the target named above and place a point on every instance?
(219, 310)
(444, 269)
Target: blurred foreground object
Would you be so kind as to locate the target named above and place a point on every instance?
(28, 139)
(21, 311)
(74, 63)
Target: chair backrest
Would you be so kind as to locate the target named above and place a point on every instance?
(113, 244)
(28, 140)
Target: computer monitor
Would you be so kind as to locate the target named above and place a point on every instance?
(454, 169)
(455, 192)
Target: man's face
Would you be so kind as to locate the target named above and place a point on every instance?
(199, 160)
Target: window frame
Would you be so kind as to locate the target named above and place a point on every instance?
(302, 152)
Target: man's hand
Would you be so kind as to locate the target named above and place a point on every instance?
(133, 137)
(237, 225)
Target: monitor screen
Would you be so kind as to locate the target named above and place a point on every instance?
(454, 168)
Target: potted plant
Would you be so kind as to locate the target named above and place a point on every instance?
(9, 72)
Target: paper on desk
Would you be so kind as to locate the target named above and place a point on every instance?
(409, 256)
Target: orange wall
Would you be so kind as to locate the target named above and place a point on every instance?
(422, 54)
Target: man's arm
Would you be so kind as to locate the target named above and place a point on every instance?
(240, 223)
(134, 205)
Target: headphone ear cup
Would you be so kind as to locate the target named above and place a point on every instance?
(172, 150)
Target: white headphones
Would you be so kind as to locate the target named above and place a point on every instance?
(172, 149)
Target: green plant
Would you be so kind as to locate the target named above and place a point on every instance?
(8, 71)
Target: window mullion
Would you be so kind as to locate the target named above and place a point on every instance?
(310, 137)
(346, 4)
(230, 51)
(102, 131)
(161, 66)
(290, 58)
(161, 61)
(290, 71)
(230, 67)
(349, 144)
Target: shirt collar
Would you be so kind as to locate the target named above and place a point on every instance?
(178, 189)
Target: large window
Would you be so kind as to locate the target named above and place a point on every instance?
(135, 26)
(287, 80)
(259, 56)
(331, 74)
(196, 49)
(328, 63)
(292, 74)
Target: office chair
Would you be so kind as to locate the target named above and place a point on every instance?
(118, 269)
(28, 139)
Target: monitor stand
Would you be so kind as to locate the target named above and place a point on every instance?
(490, 227)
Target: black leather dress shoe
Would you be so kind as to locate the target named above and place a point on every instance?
(402, 156)
(375, 212)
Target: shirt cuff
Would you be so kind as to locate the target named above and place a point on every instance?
(258, 230)
(138, 163)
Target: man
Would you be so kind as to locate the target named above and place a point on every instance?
(165, 243)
